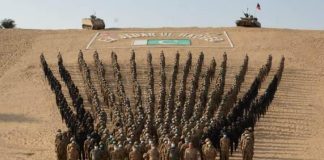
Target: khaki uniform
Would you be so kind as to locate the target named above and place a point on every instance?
(141, 148)
(104, 154)
(182, 150)
(247, 151)
(128, 148)
(86, 147)
(209, 152)
(95, 154)
(60, 148)
(123, 153)
(225, 146)
(192, 154)
(173, 154)
(135, 155)
(165, 151)
(153, 154)
(72, 151)
(162, 151)
(116, 155)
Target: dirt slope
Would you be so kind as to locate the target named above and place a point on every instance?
(293, 129)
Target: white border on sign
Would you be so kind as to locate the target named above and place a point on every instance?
(91, 41)
(229, 40)
(142, 46)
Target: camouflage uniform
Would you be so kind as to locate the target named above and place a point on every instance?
(72, 151)
(225, 146)
(86, 147)
(173, 153)
(248, 149)
(209, 152)
(103, 151)
(128, 148)
(95, 154)
(153, 154)
(135, 155)
(192, 153)
(247, 146)
(60, 147)
(116, 154)
(183, 149)
(122, 152)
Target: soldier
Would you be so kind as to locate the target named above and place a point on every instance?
(128, 147)
(247, 133)
(247, 144)
(114, 153)
(205, 144)
(183, 148)
(103, 150)
(135, 154)
(191, 153)
(86, 147)
(173, 153)
(153, 153)
(60, 146)
(247, 148)
(66, 140)
(225, 146)
(141, 147)
(122, 152)
(165, 149)
(162, 148)
(95, 153)
(72, 150)
(209, 151)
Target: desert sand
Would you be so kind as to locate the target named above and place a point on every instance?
(293, 128)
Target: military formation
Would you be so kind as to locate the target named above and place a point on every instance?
(197, 122)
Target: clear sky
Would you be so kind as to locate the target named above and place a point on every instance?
(65, 14)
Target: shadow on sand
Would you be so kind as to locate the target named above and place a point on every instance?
(4, 117)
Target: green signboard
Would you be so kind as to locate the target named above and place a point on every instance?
(181, 42)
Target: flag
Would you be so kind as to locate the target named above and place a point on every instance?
(258, 7)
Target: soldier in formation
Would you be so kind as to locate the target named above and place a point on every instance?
(247, 144)
(209, 151)
(181, 134)
(73, 150)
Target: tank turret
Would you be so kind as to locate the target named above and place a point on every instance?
(248, 21)
(93, 23)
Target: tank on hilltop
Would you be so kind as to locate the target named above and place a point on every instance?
(93, 23)
(248, 21)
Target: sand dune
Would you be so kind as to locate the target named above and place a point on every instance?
(293, 129)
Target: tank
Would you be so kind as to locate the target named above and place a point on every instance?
(248, 21)
(93, 23)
